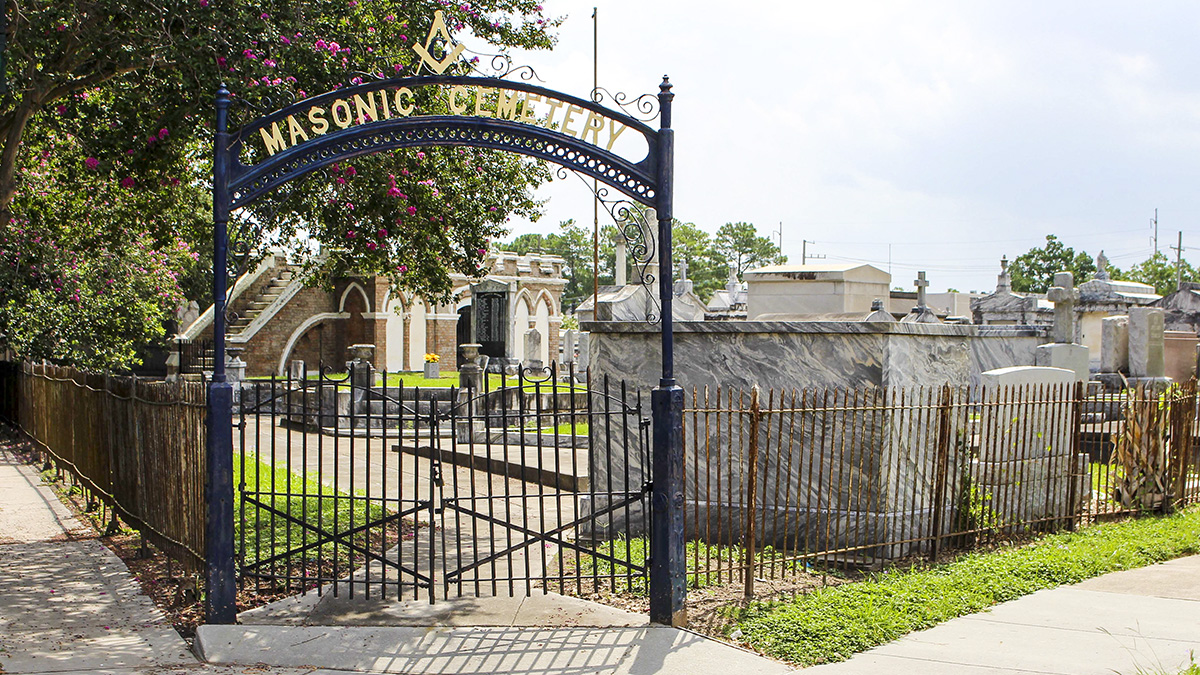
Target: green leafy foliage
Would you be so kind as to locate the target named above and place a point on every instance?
(741, 245)
(106, 139)
(75, 289)
(708, 258)
(1159, 272)
(833, 623)
(1033, 271)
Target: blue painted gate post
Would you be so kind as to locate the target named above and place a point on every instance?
(668, 574)
(220, 599)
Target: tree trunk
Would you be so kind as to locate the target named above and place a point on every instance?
(8, 157)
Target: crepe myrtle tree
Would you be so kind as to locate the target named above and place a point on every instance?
(130, 83)
(78, 291)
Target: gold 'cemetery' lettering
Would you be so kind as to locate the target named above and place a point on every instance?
(461, 100)
(456, 107)
(506, 104)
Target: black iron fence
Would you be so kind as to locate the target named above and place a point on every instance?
(195, 357)
(777, 481)
(360, 484)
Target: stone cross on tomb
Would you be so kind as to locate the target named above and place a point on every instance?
(921, 284)
(1063, 295)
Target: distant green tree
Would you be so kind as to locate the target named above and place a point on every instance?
(573, 243)
(740, 244)
(1159, 272)
(708, 268)
(1033, 271)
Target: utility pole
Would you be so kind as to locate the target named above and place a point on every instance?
(595, 183)
(804, 256)
(1155, 224)
(1179, 263)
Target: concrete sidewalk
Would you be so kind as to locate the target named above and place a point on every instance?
(67, 603)
(1144, 620)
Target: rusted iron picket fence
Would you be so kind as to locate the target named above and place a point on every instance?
(778, 482)
(136, 446)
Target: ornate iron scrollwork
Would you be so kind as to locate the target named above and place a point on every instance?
(500, 66)
(644, 107)
(634, 226)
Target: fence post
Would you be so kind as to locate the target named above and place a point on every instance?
(941, 469)
(221, 596)
(752, 503)
(1077, 472)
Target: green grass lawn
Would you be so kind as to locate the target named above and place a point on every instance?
(267, 535)
(707, 564)
(833, 623)
(564, 429)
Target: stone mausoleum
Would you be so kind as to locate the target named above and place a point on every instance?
(276, 317)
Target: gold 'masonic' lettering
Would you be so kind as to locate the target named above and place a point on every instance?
(295, 130)
(365, 110)
(497, 102)
(316, 116)
(346, 117)
(273, 139)
(401, 107)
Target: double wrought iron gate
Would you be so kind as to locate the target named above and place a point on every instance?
(354, 483)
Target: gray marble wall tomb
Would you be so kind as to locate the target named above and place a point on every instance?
(885, 464)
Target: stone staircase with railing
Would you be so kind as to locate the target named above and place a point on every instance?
(253, 307)
(252, 295)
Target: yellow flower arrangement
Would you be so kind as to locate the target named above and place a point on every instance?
(432, 358)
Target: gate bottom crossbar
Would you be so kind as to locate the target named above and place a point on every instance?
(535, 536)
(326, 537)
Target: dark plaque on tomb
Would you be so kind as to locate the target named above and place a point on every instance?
(491, 318)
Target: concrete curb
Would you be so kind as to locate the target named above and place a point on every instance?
(436, 650)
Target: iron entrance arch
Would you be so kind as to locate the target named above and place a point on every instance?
(648, 182)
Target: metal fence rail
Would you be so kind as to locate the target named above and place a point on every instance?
(137, 446)
(777, 481)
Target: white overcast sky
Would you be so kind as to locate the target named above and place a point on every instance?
(941, 134)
